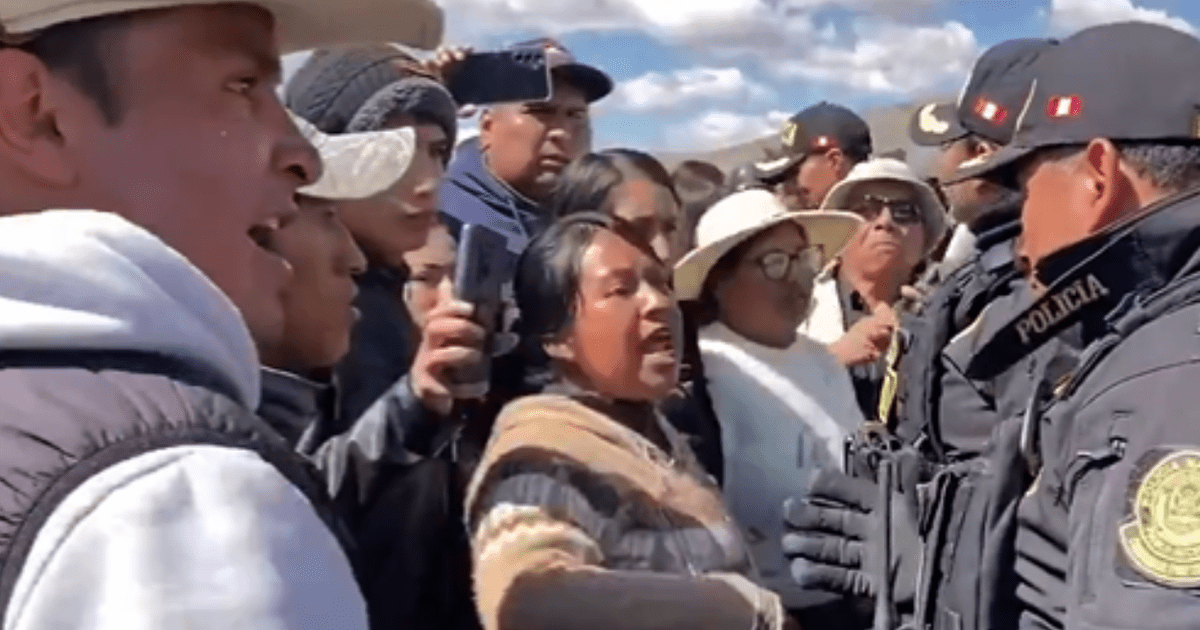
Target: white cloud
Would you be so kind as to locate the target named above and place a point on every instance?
(655, 91)
(468, 128)
(720, 21)
(1072, 15)
(890, 58)
(894, 51)
(721, 128)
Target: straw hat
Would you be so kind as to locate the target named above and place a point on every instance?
(743, 215)
(933, 213)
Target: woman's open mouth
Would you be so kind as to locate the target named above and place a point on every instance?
(661, 340)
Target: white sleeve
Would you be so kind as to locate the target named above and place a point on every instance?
(187, 537)
(843, 401)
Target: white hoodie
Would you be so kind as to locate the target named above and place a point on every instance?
(784, 414)
(185, 537)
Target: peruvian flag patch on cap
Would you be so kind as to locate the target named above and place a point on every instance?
(990, 111)
(1064, 106)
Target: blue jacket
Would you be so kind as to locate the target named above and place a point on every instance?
(471, 194)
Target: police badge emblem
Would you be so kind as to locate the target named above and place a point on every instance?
(1162, 539)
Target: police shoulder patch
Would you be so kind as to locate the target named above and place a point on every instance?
(1162, 537)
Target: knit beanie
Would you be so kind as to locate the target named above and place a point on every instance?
(367, 85)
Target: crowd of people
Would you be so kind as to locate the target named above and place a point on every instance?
(239, 386)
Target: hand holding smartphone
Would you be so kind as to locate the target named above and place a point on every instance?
(507, 76)
(479, 278)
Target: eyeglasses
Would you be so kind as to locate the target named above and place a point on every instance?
(904, 212)
(778, 266)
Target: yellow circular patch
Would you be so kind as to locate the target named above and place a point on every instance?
(1162, 540)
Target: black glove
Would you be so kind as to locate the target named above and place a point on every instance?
(831, 537)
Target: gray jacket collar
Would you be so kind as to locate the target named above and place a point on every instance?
(294, 406)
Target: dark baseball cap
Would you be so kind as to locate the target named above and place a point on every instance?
(934, 124)
(991, 98)
(594, 83)
(819, 128)
(1120, 81)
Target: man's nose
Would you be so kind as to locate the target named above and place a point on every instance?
(885, 220)
(295, 156)
(354, 259)
(658, 302)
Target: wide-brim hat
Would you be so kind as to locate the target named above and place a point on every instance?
(358, 165)
(743, 215)
(299, 24)
(933, 213)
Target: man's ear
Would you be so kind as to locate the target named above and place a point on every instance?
(487, 120)
(1107, 190)
(838, 160)
(983, 147)
(31, 108)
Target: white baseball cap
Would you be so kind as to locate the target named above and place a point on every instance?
(358, 165)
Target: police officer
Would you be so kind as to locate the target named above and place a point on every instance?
(1108, 154)
(940, 413)
(955, 414)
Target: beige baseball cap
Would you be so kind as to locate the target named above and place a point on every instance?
(301, 24)
(358, 165)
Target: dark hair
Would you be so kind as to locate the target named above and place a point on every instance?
(546, 285)
(84, 53)
(588, 182)
(1170, 166)
(699, 185)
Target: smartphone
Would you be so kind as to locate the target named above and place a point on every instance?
(507, 76)
(480, 273)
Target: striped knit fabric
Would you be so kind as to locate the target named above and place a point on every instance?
(577, 521)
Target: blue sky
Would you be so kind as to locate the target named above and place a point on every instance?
(701, 74)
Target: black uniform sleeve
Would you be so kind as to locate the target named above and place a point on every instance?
(1132, 484)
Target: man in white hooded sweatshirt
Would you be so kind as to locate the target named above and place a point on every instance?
(136, 489)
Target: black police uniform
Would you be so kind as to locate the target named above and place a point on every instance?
(1108, 527)
(1108, 533)
(935, 401)
(946, 422)
(950, 415)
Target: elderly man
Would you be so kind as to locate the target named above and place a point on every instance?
(139, 489)
(937, 410)
(502, 178)
(854, 300)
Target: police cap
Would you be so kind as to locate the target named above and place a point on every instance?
(1121, 81)
(991, 98)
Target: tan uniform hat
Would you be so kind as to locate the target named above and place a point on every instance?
(301, 24)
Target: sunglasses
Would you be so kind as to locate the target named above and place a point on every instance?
(904, 212)
(778, 266)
